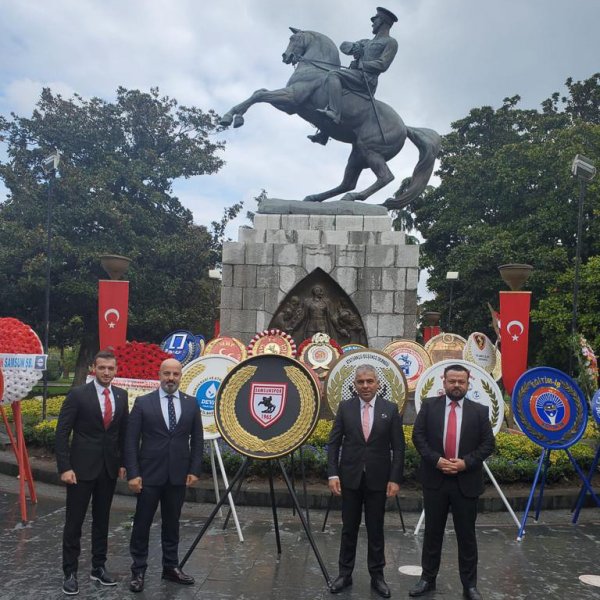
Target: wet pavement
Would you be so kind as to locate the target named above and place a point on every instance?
(545, 565)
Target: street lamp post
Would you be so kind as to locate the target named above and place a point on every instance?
(50, 166)
(584, 170)
(451, 276)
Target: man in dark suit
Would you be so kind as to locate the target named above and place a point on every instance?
(96, 415)
(169, 458)
(368, 430)
(453, 435)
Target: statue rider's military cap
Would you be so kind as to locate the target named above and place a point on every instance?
(387, 14)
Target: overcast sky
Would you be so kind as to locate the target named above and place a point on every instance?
(453, 55)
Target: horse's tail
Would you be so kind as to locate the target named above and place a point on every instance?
(428, 142)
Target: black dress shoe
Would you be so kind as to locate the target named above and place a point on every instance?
(137, 583)
(177, 575)
(99, 574)
(380, 587)
(472, 593)
(421, 587)
(70, 585)
(340, 583)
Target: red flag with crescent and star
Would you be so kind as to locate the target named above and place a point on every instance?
(514, 335)
(113, 302)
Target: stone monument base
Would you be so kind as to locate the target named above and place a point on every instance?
(362, 254)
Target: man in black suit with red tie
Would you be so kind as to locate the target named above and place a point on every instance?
(368, 430)
(96, 415)
(168, 459)
(453, 435)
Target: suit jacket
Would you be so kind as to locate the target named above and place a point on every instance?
(381, 457)
(476, 443)
(162, 456)
(92, 447)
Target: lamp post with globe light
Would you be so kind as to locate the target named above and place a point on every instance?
(50, 168)
(585, 171)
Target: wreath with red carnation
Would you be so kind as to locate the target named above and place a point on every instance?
(139, 360)
(330, 341)
(319, 353)
(18, 338)
(272, 341)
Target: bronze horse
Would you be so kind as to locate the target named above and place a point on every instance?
(376, 137)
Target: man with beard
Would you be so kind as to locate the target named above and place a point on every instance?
(169, 459)
(453, 435)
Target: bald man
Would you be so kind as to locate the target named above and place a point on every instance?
(168, 459)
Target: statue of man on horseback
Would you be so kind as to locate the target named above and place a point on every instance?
(339, 101)
(371, 57)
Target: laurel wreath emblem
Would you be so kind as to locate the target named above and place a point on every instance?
(250, 445)
(336, 385)
(397, 387)
(427, 388)
(190, 374)
(495, 414)
(487, 388)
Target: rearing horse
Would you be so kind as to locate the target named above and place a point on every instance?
(376, 137)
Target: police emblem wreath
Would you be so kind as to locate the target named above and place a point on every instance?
(550, 408)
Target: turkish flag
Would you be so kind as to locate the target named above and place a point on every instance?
(113, 303)
(430, 331)
(514, 335)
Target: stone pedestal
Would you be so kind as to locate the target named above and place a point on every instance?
(369, 260)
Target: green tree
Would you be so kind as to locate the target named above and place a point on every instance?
(555, 311)
(506, 195)
(113, 195)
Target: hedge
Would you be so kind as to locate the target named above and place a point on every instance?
(515, 458)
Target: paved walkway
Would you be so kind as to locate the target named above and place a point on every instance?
(546, 565)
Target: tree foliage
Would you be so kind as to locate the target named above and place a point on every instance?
(507, 196)
(113, 195)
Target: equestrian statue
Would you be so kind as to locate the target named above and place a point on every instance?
(340, 102)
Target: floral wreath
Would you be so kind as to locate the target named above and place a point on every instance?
(320, 338)
(284, 341)
(18, 338)
(139, 360)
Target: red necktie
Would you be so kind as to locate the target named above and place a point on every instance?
(450, 445)
(107, 408)
(366, 422)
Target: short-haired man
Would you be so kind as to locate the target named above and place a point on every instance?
(453, 435)
(167, 422)
(96, 415)
(368, 431)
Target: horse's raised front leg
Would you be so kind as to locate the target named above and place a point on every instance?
(351, 174)
(377, 164)
(282, 99)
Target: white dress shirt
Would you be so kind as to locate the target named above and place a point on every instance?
(164, 405)
(100, 393)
